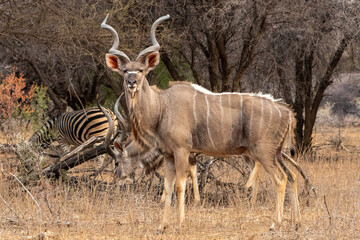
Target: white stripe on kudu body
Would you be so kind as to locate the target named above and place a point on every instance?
(208, 120)
(270, 118)
(222, 119)
(241, 109)
(205, 91)
(194, 107)
(261, 118)
(251, 116)
(277, 108)
(230, 116)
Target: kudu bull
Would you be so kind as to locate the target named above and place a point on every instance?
(187, 118)
(151, 159)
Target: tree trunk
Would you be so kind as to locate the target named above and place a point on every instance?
(308, 89)
(60, 105)
(306, 105)
(299, 100)
(325, 82)
(170, 67)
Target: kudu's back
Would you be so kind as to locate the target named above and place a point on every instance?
(224, 124)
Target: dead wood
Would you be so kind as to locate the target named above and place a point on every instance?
(54, 170)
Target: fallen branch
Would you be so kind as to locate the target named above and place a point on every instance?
(55, 169)
(80, 148)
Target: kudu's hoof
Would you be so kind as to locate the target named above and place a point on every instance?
(272, 228)
(161, 229)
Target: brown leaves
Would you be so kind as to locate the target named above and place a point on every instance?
(13, 94)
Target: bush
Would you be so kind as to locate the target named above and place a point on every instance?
(15, 98)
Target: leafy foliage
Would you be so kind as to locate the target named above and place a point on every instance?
(39, 107)
(15, 98)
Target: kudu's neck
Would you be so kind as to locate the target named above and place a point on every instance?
(144, 109)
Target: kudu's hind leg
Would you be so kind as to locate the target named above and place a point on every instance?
(194, 180)
(253, 181)
(269, 162)
(292, 180)
(168, 190)
(295, 198)
(280, 179)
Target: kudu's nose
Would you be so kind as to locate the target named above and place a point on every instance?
(132, 82)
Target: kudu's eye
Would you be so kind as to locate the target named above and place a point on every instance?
(124, 71)
(141, 70)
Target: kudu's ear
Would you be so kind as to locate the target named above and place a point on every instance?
(152, 60)
(115, 63)
(117, 146)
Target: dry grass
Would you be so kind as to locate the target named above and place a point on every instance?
(83, 213)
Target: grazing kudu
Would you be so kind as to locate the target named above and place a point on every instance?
(146, 157)
(187, 118)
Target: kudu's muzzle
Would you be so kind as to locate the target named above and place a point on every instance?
(119, 171)
(131, 83)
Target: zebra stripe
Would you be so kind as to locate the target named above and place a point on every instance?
(44, 136)
(74, 128)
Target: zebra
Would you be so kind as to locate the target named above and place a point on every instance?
(45, 135)
(71, 129)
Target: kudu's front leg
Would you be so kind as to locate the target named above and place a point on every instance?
(182, 165)
(168, 190)
(194, 180)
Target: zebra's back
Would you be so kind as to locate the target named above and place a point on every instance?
(79, 126)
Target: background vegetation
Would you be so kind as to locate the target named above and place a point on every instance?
(305, 52)
(294, 50)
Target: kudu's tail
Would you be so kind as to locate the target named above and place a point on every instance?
(291, 136)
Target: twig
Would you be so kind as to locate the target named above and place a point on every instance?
(233, 166)
(343, 147)
(327, 209)
(48, 204)
(52, 155)
(12, 210)
(37, 204)
(12, 221)
(42, 235)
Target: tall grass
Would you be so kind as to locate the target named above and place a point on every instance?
(77, 211)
